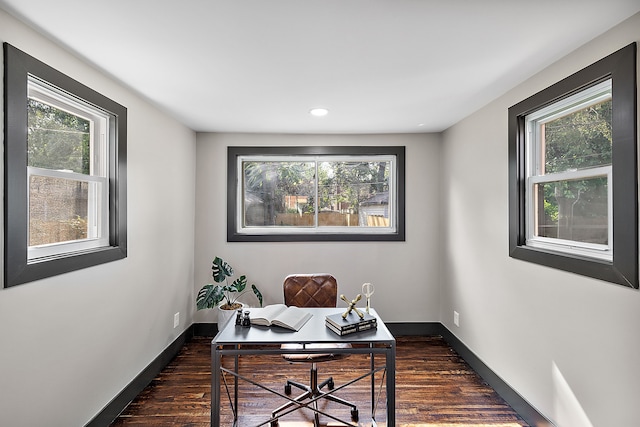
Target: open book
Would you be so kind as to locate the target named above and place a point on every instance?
(280, 315)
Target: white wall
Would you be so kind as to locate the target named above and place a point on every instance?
(69, 344)
(405, 274)
(568, 344)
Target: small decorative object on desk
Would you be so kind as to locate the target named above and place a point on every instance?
(246, 320)
(351, 323)
(352, 306)
(367, 290)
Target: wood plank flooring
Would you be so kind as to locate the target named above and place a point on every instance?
(434, 388)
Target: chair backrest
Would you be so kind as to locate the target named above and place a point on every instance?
(311, 290)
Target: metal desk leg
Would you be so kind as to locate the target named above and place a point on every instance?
(391, 385)
(235, 386)
(215, 386)
(373, 382)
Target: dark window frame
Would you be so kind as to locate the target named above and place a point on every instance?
(17, 270)
(620, 67)
(232, 184)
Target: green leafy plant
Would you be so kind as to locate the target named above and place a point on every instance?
(211, 295)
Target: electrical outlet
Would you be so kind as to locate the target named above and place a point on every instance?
(176, 319)
(456, 318)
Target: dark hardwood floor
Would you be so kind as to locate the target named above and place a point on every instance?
(434, 388)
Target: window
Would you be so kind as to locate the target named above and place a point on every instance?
(569, 150)
(67, 184)
(573, 179)
(315, 193)
(65, 159)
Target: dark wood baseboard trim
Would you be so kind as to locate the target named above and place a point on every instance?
(110, 412)
(414, 329)
(512, 397)
(205, 329)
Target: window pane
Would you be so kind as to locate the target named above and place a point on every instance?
(279, 194)
(353, 194)
(57, 210)
(578, 140)
(57, 139)
(573, 210)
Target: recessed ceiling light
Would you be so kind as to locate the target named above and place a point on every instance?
(318, 112)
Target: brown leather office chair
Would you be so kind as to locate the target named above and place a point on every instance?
(312, 290)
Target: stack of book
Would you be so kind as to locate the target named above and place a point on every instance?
(351, 324)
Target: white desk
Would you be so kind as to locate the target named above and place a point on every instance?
(236, 341)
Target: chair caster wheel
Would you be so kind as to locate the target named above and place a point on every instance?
(331, 385)
(287, 391)
(354, 415)
(274, 423)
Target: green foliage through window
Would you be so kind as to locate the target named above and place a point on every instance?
(56, 139)
(579, 140)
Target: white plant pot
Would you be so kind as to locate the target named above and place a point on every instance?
(225, 316)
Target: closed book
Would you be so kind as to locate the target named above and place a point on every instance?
(370, 323)
(353, 329)
(351, 320)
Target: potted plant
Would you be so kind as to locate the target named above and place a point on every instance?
(222, 294)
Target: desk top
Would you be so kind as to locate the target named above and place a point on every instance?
(314, 331)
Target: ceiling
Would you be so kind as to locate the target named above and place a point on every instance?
(379, 66)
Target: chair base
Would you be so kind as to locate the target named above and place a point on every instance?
(311, 391)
